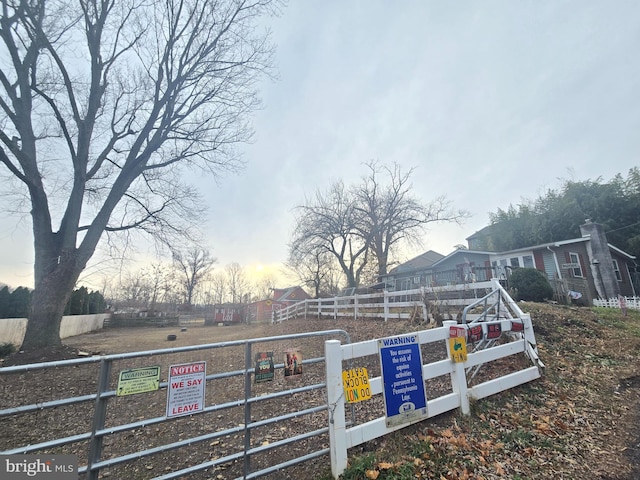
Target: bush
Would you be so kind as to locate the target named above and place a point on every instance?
(6, 349)
(530, 284)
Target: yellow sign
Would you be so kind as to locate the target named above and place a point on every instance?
(356, 385)
(458, 349)
(138, 380)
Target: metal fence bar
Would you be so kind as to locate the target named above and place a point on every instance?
(99, 415)
(96, 437)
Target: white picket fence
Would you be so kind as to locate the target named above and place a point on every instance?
(618, 302)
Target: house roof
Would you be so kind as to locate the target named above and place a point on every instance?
(621, 252)
(289, 294)
(424, 260)
(461, 251)
(483, 232)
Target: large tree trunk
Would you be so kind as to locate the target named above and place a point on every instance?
(52, 292)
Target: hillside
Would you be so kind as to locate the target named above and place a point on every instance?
(580, 421)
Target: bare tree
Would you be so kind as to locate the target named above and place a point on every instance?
(330, 223)
(161, 283)
(218, 287)
(236, 282)
(315, 270)
(103, 104)
(391, 215)
(134, 291)
(194, 265)
(361, 225)
(264, 287)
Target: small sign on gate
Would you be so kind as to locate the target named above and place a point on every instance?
(264, 371)
(356, 385)
(185, 394)
(458, 349)
(138, 380)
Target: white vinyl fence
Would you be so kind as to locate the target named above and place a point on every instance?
(506, 334)
(618, 302)
(404, 304)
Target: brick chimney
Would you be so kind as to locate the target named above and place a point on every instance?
(600, 260)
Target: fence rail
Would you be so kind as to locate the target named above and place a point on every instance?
(113, 421)
(422, 302)
(121, 434)
(517, 334)
(618, 302)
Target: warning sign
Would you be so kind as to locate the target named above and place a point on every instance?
(404, 394)
(356, 385)
(138, 380)
(458, 349)
(494, 330)
(186, 389)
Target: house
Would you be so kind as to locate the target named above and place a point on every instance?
(262, 310)
(583, 268)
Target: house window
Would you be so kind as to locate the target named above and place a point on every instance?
(515, 262)
(575, 260)
(616, 270)
(527, 261)
(416, 280)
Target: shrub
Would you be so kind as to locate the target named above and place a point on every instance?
(530, 284)
(6, 349)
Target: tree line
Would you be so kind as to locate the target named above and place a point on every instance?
(17, 303)
(189, 280)
(558, 213)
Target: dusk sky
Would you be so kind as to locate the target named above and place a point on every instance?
(491, 102)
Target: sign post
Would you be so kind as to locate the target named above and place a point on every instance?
(186, 389)
(405, 398)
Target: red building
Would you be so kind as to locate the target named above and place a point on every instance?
(262, 310)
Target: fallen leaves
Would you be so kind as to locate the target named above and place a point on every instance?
(571, 423)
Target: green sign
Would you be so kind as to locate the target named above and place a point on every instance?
(264, 367)
(138, 380)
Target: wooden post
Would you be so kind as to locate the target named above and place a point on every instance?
(458, 377)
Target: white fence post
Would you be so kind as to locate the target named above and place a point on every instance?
(386, 305)
(355, 307)
(335, 402)
(458, 377)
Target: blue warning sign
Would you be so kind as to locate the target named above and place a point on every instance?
(403, 386)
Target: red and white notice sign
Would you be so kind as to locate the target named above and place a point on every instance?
(186, 389)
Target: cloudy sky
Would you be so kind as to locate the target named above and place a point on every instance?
(491, 102)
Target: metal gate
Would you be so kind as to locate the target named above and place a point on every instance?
(133, 436)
